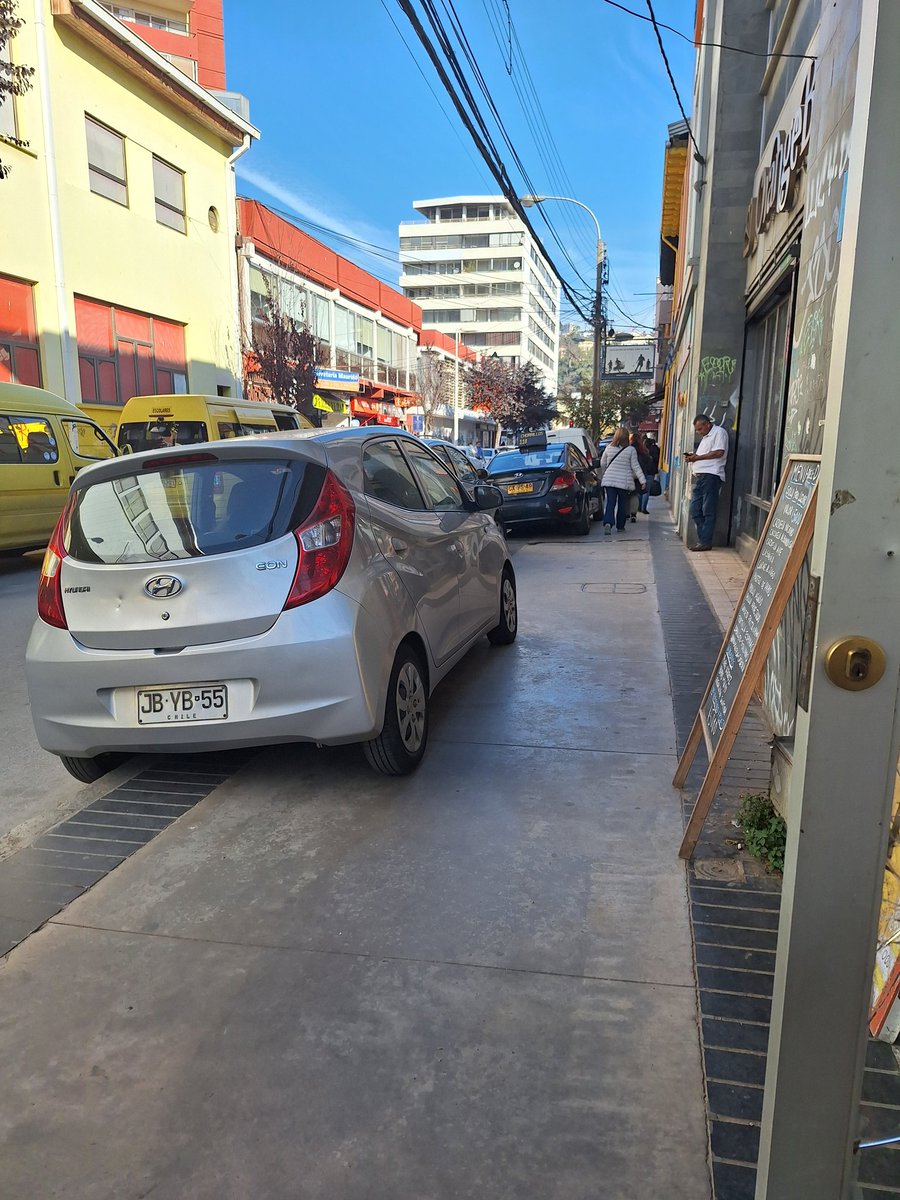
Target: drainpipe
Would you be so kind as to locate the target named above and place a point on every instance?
(232, 240)
(71, 386)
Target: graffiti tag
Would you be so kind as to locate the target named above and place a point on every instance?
(716, 369)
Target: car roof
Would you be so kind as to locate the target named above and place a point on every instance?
(294, 443)
(20, 394)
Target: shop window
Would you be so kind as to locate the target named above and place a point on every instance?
(762, 414)
(106, 161)
(168, 190)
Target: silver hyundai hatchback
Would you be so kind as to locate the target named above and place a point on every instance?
(267, 589)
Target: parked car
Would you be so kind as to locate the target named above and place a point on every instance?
(463, 466)
(154, 422)
(44, 443)
(577, 437)
(542, 482)
(265, 589)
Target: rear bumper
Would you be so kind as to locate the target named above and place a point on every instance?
(319, 674)
(539, 508)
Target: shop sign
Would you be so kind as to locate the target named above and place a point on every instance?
(341, 381)
(779, 180)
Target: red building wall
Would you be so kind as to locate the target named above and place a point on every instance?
(205, 43)
(285, 243)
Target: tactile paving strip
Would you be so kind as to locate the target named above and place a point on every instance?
(39, 881)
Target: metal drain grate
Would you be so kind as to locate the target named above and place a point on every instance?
(39, 881)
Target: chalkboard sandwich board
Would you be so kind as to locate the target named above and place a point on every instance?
(739, 667)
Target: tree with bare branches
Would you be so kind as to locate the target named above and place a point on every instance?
(491, 388)
(433, 382)
(283, 356)
(15, 78)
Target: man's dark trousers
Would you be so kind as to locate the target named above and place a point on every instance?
(704, 503)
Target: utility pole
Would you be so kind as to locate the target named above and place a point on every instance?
(847, 742)
(599, 315)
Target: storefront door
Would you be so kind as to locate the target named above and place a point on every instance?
(761, 425)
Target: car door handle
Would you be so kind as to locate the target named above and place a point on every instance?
(56, 478)
(399, 546)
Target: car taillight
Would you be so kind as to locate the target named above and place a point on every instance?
(50, 602)
(324, 543)
(565, 480)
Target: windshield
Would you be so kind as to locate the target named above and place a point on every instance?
(158, 433)
(513, 460)
(190, 510)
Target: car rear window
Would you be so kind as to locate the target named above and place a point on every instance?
(159, 433)
(190, 510)
(512, 460)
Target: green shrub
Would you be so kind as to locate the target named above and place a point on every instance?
(764, 831)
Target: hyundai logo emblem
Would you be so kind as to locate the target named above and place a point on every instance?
(161, 587)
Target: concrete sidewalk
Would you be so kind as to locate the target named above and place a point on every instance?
(319, 983)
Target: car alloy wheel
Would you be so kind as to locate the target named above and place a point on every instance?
(411, 702)
(399, 747)
(505, 632)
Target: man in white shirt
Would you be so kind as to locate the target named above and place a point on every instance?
(708, 467)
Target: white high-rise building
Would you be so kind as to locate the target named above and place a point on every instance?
(474, 269)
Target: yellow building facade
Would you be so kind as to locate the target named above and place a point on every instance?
(117, 220)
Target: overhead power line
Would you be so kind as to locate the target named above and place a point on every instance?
(437, 101)
(665, 58)
(469, 55)
(711, 45)
(477, 127)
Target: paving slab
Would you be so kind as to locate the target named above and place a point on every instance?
(520, 858)
(225, 1072)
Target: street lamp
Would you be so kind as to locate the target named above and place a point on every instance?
(529, 202)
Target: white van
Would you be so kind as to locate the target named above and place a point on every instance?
(576, 437)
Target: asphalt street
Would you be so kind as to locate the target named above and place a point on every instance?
(321, 983)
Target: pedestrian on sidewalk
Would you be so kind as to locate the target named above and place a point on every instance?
(649, 460)
(650, 466)
(708, 470)
(621, 476)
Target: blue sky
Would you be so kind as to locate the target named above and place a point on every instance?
(352, 133)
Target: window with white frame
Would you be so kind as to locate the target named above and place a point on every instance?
(168, 191)
(8, 127)
(106, 161)
(150, 20)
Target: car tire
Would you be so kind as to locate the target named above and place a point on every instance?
(89, 770)
(504, 633)
(399, 747)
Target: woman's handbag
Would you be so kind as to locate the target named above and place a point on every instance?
(655, 487)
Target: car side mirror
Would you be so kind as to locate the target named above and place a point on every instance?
(481, 473)
(126, 449)
(487, 496)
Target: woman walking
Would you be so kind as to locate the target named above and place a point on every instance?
(648, 457)
(621, 475)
